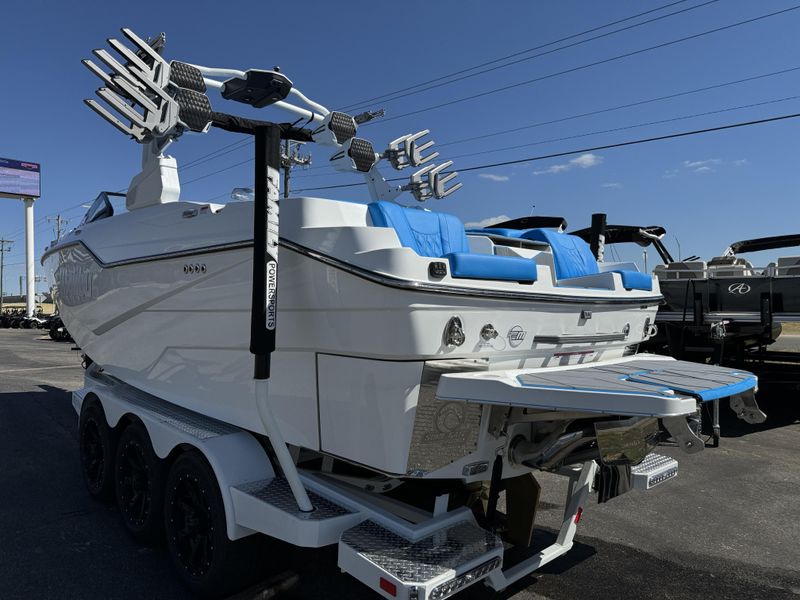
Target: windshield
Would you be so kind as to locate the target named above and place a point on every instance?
(105, 205)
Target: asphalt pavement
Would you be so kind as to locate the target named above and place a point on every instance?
(727, 527)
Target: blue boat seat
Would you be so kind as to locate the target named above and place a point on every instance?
(512, 233)
(440, 235)
(489, 266)
(573, 258)
(634, 280)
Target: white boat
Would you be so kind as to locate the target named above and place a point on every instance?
(405, 348)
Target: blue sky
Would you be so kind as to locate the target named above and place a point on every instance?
(707, 190)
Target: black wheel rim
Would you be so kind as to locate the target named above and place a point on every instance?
(191, 525)
(92, 452)
(133, 479)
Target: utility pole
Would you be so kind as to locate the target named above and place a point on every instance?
(290, 157)
(59, 221)
(3, 250)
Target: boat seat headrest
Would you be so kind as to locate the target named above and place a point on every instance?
(571, 255)
(431, 234)
(511, 233)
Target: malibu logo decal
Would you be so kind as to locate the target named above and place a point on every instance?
(515, 336)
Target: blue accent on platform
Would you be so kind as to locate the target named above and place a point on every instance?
(664, 391)
(707, 395)
(487, 266)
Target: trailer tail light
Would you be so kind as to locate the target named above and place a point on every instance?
(388, 587)
(578, 515)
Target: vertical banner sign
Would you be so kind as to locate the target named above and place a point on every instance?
(264, 312)
(273, 192)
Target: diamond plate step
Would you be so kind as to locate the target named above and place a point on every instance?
(434, 567)
(268, 506)
(654, 470)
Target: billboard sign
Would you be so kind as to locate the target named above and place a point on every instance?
(19, 178)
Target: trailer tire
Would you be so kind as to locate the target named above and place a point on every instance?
(139, 476)
(97, 446)
(210, 564)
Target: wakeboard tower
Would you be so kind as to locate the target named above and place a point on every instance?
(379, 386)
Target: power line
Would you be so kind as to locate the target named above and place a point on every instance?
(206, 158)
(515, 54)
(627, 127)
(593, 64)
(540, 142)
(620, 107)
(527, 58)
(592, 113)
(237, 145)
(592, 149)
(614, 129)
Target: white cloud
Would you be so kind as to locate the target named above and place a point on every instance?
(488, 221)
(696, 164)
(493, 177)
(612, 184)
(587, 160)
(706, 165)
(583, 161)
(552, 170)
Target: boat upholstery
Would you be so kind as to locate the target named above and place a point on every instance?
(512, 233)
(440, 235)
(573, 258)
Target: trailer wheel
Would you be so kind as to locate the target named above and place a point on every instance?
(139, 476)
(210, 564)
(97, 444)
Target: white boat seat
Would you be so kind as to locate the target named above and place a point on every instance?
(693, 269)
(789, 265)
(440, 235)
(729, 266)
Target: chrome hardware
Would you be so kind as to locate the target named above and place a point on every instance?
(687, 440)
(719, 330)
(475, 468)
(191, 269)
(454, 332)
(746, 408)
(488, 332)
